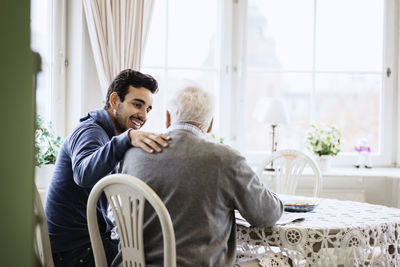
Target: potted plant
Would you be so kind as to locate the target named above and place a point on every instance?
(324, 142)
(213, 138)
(47, 145)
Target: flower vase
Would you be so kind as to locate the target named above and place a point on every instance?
(43, 176)
(324, 162)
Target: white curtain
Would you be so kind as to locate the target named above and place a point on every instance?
(118, 31)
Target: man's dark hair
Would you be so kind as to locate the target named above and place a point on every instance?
(127, 78)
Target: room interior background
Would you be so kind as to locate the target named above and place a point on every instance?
(79, 92)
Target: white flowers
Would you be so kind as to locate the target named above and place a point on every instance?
(324, 140)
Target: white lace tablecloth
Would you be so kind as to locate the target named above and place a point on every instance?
(336, 233)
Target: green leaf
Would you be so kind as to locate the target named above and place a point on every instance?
(323, 140)
(47, 143)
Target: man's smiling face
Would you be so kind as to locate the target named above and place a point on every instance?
(132, 112)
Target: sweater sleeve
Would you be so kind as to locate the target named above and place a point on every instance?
(255, 202)
(94, 155)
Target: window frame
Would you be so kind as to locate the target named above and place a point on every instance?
(232, 71)
(388, 115)
(222, 75)
(58, 66)
(56, 79)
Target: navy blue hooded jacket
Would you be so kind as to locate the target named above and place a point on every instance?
(91, 152)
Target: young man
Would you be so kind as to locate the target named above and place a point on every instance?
(201, 183)
(91, 152)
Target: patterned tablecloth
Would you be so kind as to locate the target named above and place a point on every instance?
(336, 233)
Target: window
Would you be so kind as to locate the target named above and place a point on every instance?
(48, 33)
(41, 43)
(327, 59)
(181, 50)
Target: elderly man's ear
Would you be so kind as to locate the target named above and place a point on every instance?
(210, 127)
(168, 122)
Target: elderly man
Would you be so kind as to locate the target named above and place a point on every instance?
(201, 184)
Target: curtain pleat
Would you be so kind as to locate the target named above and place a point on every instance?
(118, 31)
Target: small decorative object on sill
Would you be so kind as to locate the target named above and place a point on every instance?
(364, 154)
(324, 142)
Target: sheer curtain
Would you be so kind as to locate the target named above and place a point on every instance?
(118, 31)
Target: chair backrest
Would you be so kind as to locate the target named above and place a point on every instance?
(288, 167)
(126, 196)
(41, 238)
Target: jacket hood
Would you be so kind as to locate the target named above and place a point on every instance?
(101, 117)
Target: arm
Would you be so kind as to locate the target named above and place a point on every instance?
(258, 205)
(94, 155)
(148, 141)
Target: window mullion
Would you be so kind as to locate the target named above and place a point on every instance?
(166, 73)
(396, 71)
(313, 75)
(58, 67)
(388, 118)
(238, 73)
(225, 70)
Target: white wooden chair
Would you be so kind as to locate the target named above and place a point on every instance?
(127, 195)
(41, 238)
(288, 167)
(286, 170)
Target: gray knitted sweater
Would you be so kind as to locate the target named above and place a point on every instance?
(201, 184)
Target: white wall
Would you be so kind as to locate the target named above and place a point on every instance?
(374, 190)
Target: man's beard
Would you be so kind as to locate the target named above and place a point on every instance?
(119, 122)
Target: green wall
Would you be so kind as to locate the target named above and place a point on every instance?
(16, 134)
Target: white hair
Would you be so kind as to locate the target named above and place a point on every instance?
(192, 105)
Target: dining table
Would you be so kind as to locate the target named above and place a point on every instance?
(335, 233)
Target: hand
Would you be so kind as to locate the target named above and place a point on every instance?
(148, 141)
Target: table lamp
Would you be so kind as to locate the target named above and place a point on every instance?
(271, 111)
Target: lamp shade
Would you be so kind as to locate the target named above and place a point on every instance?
(271, 110)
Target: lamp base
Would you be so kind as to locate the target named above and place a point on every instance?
(269, 169)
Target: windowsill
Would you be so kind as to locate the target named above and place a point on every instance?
(384, 172)
(389, 172)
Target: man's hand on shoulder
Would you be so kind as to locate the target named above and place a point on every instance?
(149, 142)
